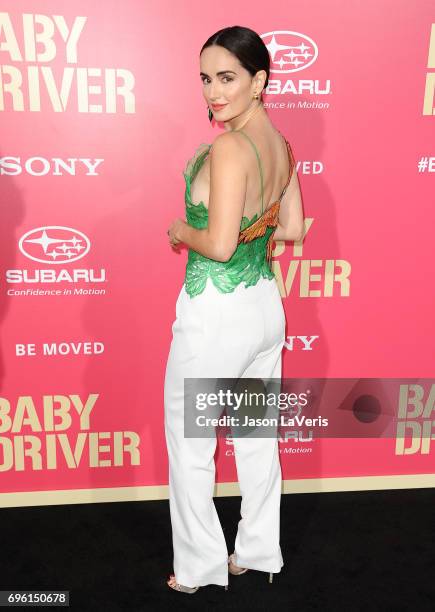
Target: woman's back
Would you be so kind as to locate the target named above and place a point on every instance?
(265, 188)
(271, 167)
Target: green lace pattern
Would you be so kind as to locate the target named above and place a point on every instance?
(248, 262)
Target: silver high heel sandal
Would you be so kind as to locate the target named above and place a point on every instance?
(173, 584)
(236, 570)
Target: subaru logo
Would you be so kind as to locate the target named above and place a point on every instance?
(289, 51)
(54, 244)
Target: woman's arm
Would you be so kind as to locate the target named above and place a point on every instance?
(228, 181)
(291, 217)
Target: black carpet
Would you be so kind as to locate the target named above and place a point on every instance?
(351, 551)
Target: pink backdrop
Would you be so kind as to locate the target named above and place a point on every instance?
(96, 164)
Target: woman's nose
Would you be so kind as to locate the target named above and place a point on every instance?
(215, 92)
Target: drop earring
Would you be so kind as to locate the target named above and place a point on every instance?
(210, 114)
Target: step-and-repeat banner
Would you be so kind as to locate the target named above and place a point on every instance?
(100, 108)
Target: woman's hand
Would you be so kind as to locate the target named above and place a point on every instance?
(174, 232)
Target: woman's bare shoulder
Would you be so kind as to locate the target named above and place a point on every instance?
(227, 145)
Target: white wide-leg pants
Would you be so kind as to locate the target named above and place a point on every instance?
(239, 334)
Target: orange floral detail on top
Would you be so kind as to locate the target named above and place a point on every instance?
(269, 218)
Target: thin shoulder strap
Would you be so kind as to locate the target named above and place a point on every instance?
(291, 162)
(259, 165)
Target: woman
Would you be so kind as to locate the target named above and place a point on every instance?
(230, 320)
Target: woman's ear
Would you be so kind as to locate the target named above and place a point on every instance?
(261, 77)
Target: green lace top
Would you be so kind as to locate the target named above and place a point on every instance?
(252, 258)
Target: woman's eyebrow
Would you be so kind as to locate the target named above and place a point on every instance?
(218, 73)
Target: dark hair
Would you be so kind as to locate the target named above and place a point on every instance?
(246, 45)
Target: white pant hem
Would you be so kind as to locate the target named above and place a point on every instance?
(189, 581)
